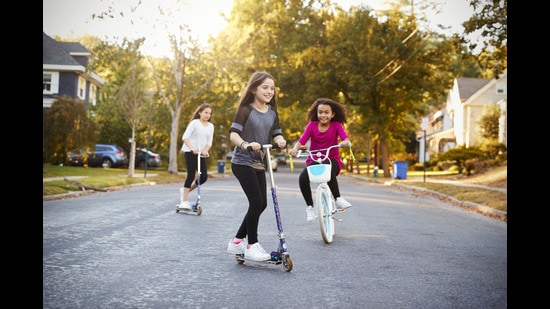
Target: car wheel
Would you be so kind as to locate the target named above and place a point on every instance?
(107, 163)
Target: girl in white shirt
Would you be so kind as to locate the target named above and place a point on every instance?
(197, 140)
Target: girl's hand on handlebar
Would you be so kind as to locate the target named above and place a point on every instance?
(294, 152)
(280, 144)
(254, 146)
(345, 144)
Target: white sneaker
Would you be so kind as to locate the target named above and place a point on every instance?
(342, 204)
(255, 252)
(310, 213)
(185, 205)
(234, 248)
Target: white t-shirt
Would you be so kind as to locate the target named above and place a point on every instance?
(198, 134)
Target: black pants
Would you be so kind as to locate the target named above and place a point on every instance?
(191, 163)
(333, 183)
(254, 186)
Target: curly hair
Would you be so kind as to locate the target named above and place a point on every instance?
(338, 109)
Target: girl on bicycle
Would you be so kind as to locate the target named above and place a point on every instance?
(326, 118)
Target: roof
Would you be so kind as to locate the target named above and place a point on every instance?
(467, 86)
(59, 53)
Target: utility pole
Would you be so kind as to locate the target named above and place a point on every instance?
(424, 128)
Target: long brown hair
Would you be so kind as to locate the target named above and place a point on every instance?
(256, 80)
(203, 106)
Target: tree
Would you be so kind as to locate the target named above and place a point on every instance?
(121, 108)
(68, 128)
(491, 19)
(385, 71)
(131, 97)
(179, 81)
(488, 123)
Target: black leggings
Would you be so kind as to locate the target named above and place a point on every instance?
(191, 163)
(333, 183)
(254, 186)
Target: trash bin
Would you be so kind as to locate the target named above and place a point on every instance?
(221, 166)
(400, 169)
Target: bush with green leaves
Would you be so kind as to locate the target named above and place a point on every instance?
(462, 156)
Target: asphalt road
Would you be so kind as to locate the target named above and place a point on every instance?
(393, 249)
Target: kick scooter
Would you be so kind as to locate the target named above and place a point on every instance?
(281, 255)
(196, 208)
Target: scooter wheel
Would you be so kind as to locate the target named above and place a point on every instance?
(239, 258)
(287, 263)
(199, 210)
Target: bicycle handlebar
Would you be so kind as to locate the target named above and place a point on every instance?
(320, 157)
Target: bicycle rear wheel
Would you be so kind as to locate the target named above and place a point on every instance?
(324, 212)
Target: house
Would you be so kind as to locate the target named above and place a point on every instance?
(457, 124)
(64, 72)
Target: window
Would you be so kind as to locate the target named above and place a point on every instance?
(81, 88)
(93, 94)
(50, 82)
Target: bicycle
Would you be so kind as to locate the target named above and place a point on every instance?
(324, 200)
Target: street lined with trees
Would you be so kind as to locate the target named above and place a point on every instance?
(382, 66)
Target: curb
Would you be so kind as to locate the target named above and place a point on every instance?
(74, 194)
(491, 212)
(482, 209)
(88, 192)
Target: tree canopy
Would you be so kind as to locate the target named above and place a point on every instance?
(384, 68)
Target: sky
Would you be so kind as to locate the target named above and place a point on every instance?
(71, 19)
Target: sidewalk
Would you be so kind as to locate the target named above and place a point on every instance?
(457, 183)
(62, 178)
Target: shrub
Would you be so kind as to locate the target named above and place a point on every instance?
(416, 167)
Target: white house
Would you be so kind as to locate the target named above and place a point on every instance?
(457, 124)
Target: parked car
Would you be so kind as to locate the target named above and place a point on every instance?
(274, 163)
(77, 157)
(107, 155)
(153, 159)
(281, 158)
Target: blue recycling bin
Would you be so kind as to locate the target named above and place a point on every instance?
(221, 166)
(400, 169)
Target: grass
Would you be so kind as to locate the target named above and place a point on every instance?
(112, 177)
(493, 178)
(99, 178)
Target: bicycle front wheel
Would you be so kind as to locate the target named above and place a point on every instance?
(324, 212)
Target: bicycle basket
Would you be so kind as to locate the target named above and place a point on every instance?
(319, 172)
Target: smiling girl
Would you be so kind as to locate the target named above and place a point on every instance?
(326, 118)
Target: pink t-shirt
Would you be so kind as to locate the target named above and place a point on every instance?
(322, 140)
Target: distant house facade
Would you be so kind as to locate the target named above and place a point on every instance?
(457, 124)
(64, 73)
